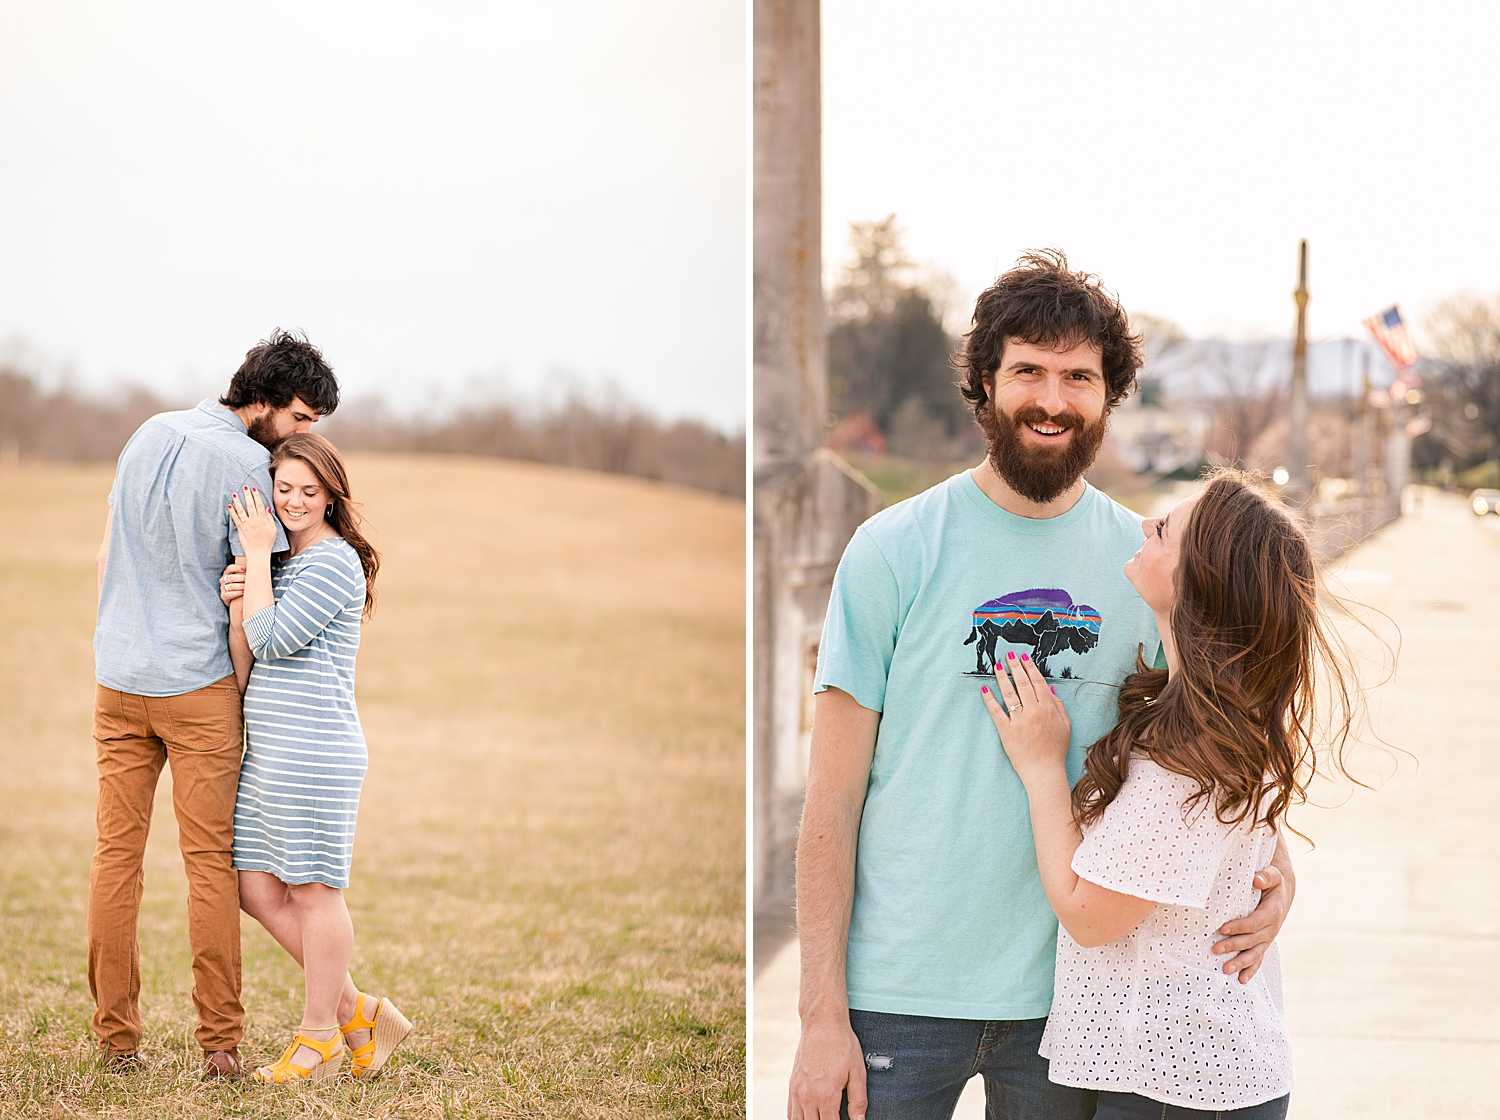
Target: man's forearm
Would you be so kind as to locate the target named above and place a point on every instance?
(1244, 941)
(828, 1065)
(838, 774)
(102, 556)
(1281, 859)
(825, 898)
(239, 645)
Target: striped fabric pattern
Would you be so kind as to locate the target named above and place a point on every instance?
(305, 751)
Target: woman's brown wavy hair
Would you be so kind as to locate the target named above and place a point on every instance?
(324, 460)
(1238, 715)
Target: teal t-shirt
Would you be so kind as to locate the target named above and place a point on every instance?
(950, 918)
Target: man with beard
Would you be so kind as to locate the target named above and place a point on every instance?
(166, 691)
(927, 943)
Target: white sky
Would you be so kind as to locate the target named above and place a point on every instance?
(1179, 150)
(435, 192)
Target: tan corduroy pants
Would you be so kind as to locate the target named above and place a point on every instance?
(199, 734)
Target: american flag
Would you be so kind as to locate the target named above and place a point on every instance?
(1390, 331)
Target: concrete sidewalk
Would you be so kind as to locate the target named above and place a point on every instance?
(1392, 978)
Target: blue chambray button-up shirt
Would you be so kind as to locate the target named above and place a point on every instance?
(162, 629)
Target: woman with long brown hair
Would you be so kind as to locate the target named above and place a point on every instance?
(1178, 808)
(297, 619)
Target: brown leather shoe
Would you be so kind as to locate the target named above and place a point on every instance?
(222, 1063)
(122, 1061)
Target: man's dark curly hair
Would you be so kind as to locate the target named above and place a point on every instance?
(281, 367)
(1043, 303)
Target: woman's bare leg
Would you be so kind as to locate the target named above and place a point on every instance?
(327, 945)
(278, 908)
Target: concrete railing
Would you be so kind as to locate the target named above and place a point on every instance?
(1338, 526)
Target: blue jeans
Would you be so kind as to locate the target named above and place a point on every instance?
(1129, 1106)
(916, 1068)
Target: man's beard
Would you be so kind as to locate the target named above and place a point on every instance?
(1041, 474)
(263, 431)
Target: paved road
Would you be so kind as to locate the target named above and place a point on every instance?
(1392, 952)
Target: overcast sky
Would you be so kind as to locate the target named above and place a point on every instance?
(435, 192)
(1179, 150)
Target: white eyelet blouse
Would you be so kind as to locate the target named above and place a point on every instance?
(1153, 1013)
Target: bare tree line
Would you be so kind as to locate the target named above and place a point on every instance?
(1463, 399)
(64, 426)
(890, 380)
(588, 431)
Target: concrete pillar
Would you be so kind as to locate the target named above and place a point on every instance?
(790, 364)
(807, 501)
(1396, 461)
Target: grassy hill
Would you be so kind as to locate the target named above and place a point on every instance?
(549, 867)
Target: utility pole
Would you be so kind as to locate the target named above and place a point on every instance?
(1362, 445)
(1299, 487)
(1346, 452)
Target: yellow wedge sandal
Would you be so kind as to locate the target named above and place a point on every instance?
(387, 1028)
(284, 1070)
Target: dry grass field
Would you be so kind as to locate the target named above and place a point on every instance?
(549, 869)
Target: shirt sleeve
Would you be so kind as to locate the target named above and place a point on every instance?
(859, 632)
(261, 480)
(320, 591)
(1149, 845)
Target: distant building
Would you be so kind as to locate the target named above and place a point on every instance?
(858, 434)
(1153, 440)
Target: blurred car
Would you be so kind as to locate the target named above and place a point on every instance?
(1485, 501)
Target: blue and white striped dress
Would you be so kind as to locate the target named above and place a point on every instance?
(305, 751)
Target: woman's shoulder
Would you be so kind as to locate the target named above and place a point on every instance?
(330, 547)
(1151, 789)
(1145, 773)
(333, 555)
(337, 544)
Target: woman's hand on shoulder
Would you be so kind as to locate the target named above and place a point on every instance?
(254, 520)
(232, 583)
(1033, 724)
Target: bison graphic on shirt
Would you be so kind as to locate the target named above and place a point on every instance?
(1044, 618)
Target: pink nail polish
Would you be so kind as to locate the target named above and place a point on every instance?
(1010, 656)
(1023, 657)
(984, 688)
(1054, 692)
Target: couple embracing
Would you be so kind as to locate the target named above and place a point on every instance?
(1053, 746)
(224, 649)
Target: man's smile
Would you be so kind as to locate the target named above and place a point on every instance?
(1047, 430)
